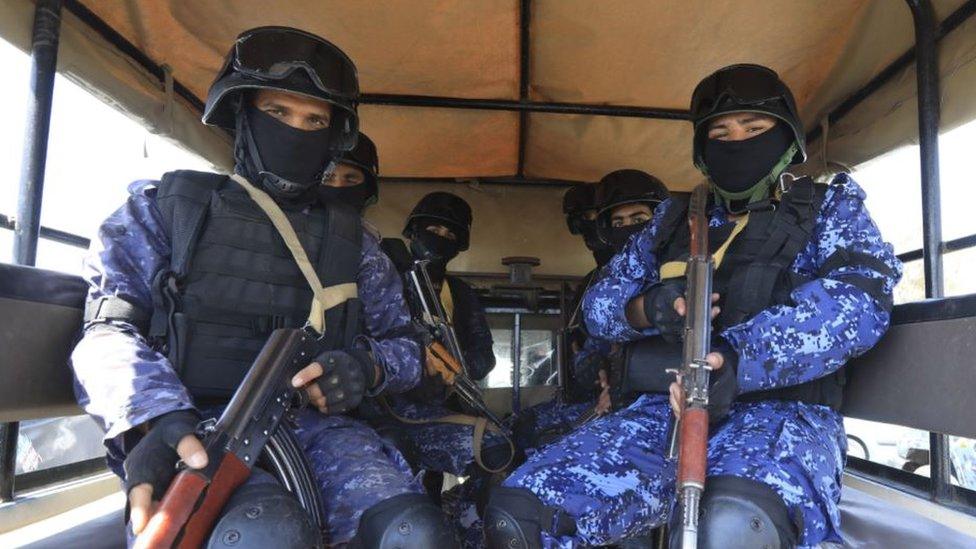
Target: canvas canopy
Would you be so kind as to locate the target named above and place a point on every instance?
(632, 53)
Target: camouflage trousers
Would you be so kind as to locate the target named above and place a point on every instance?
(355, 469)
(613, 478)
(537, 426)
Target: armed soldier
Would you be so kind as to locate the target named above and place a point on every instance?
(606, 214)
(426, 426)
(353, 177)
(190, 276)
(805, 284)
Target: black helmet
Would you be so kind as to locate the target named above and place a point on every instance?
(270, 58)
(626, 187)
(744, 88)
(578, 199)
(364, 157)
(444, 209)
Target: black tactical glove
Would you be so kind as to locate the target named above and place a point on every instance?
(153, 459)
(659, 309)
(723, 385)
(346, 376)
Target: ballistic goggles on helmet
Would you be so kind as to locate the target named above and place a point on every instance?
(273, 53)
(744, 85)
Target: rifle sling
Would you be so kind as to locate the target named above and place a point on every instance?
(323, 298)
(480, 425)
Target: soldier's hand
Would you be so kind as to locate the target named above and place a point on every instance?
(435, 367)
(677, 392)
(681, 307)
(151, 465)
(337, 381)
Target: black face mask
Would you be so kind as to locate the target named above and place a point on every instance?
(297, 156)
(355, 196)
(601, 251)
(620, 235)
(736, 166)
(603, 255)
(435, 248)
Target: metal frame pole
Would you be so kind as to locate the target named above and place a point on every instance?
(517, 364)
(927, 73)
(44, 59)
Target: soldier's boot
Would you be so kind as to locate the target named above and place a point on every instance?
(261, 515)
(406, 521)
(515, 519)
(739, 513)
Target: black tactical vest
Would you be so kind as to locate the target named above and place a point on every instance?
(755, 274)
(232, 279)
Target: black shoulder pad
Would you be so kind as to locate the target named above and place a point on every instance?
(343, 245)
(183, 197)
(396, 250)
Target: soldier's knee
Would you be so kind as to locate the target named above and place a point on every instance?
(264, 515)
(406, 521)
(515, 518)
(738, 512)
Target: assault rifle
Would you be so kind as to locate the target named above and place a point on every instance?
(234, 443)
(689, 435)
(444, 344)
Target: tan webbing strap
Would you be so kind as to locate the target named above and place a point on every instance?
(674, 269)
(323, 299)
(447, 302)
(480, 425)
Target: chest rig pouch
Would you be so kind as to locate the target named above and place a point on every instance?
(232, 279)
(754, 274)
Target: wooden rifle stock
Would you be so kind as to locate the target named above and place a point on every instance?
(191, 505)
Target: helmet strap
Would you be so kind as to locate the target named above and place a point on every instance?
(761, 190)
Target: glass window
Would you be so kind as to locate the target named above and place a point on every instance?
(892, 445)
(538, 367)
(536, 349)
(501, 374)
(962, 451)
(50, 442)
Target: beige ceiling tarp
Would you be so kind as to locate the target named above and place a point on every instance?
(619, 52)
(624, 52)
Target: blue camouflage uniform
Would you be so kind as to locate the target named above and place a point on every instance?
(123, 382)
(612, 476)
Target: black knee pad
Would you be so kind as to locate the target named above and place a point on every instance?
(740, 513)
(407, 521)
(515, 519)
(264, 515)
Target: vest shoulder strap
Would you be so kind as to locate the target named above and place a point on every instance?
(342, 246)
(183, 198)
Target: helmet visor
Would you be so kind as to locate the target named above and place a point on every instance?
(745, 85)
(275, 53)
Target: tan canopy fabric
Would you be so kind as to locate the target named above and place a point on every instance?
(623, 52)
